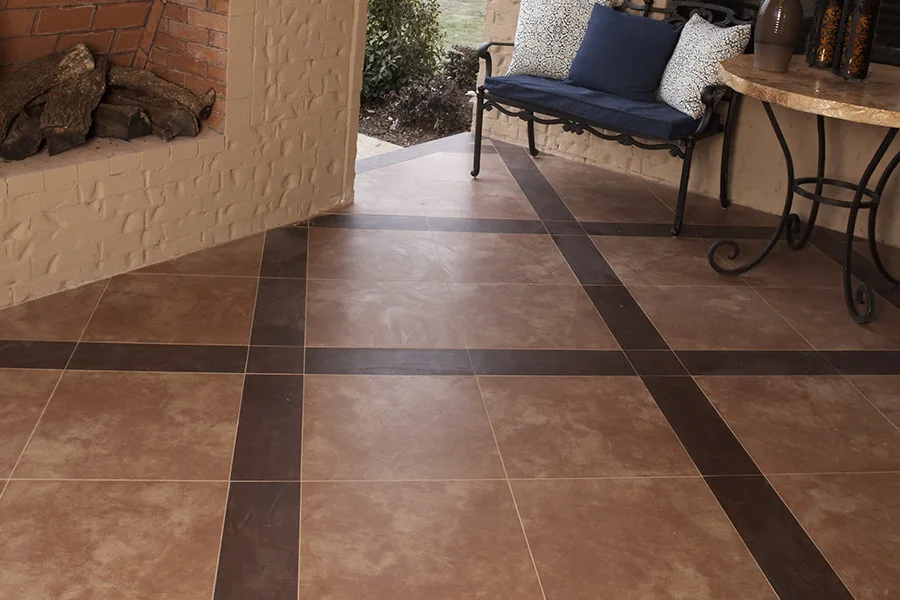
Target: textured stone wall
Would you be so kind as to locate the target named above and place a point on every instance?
(757, 176)
(287, 153)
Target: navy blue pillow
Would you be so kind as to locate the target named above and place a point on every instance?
(623, 54)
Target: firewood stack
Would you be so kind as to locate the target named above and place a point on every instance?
(63, 98)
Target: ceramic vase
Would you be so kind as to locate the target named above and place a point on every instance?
(778, 27)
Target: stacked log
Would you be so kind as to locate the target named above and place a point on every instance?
(62, 99)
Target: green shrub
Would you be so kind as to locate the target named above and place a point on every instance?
(432, 104)
(461, 65)
(403, 43)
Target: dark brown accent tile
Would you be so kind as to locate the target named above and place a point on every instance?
(285, 252)
(486, 225)
(382, 315)
(238, 258)
(704, 210)
(543, 198)
(705, 436)
(448, 540)
(587, 263)
(790, 560)
(821, 317)
(259, 555)
(172, 426)
(375, 361)
(581, 427)
(882, 391)
(655, 362)
(383, 428)
(855, 521)
(551, 362)
(268, 443)
(379, 222)
(60, 317)
(661, 261)
(174, 309)
(865, 362)
(95, 356)
(275, 359)
(529, 316)
(502, 258)
(654, 230)
(635, 538)
(280, 315)
(374, 255)
(91, 539)
(716, 318)
(784, 267)
(564, 227)
(35, 355)
(727, 232)
(805, 424)
(625, 318)
(23, 395)
(755, 362)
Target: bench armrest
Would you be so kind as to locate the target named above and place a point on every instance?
(710, 96)
(485, 54)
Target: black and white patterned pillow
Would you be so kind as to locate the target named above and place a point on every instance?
(549, 34)
(695, 62)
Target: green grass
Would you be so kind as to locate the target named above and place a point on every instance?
(462, 21)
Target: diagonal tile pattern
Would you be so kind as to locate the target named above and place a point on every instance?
(516, 387)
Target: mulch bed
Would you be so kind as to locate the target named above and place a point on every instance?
(375, 120)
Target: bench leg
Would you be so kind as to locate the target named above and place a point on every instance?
(730, 120)
(683, 189)
(479, 125)
(531, 146)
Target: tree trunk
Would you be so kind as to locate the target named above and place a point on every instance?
(161, 92)
(122, 122)
(24, 137)
(36, 77)
(167, 120)
(67, 113)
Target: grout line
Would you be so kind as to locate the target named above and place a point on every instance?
(62, 373)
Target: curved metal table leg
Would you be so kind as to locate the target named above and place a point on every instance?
(712, 255)
(873, 215)
(863, 294)
(795, 225)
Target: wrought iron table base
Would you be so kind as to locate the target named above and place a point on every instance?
(860, 301)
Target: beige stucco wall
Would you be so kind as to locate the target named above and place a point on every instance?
(757, 175)
(288, 152)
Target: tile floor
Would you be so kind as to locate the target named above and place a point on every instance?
(517, 387)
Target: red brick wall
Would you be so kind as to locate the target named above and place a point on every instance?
(189, 48)
(182, 41)
(33, 28)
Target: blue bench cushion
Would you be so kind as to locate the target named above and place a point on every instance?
(605, 111)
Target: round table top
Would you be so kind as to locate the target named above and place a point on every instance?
(874, 100)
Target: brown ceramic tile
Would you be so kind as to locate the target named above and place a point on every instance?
(374, 195)
(280, 315)
(883, 391)
(286, 252)
(562, 171)
(805, 424)
(374, 255)
(614, 201)
(644, 539)
(23, 395)
(365, 314)
(475, 199)
(821, 317)
(174, 309)
(660, 261)
(585, 260)
(784, 267)
(716, 318)
(136, 426)
(502, 258)
(364, 427)
(440, 167)
(238, 258)
(60, 317)
(530, 316)
(382, 541)
(110, 539)
(704, 210)
(581, 427)
(855, 521)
